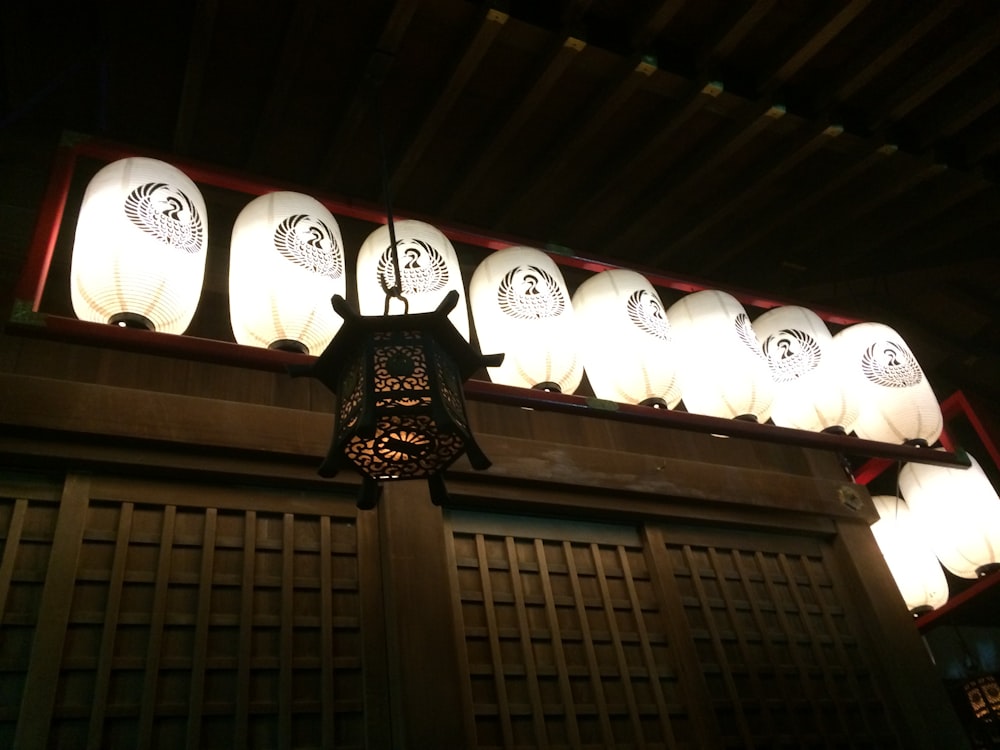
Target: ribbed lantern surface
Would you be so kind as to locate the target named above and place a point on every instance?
(286, 262)
(809, 391)
(428, 268)
(521, 307)
(721, 365)
(909, 557)
(625, 339)
(960, 514)
(896, 403)
(140, 246)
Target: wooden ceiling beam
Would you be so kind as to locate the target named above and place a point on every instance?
(543, 81)
(813, 137)
(868, 66)
(654, 23)
(854, 211)
(376, 69)
(285, 69)
(822, 36)
(927, 81)
(492, 22)
(867, 239)
(623, 235)
(778, 219)
(616, 193)
(199, 49)
(601, 109)
(735, 34)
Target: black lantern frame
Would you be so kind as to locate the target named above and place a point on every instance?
(401, 408)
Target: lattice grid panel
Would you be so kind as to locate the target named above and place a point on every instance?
(27, 528)
(566, 645)
(220, 628)
(777, 651)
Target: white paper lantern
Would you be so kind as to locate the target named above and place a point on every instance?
(960, 513)
(917, 572)
(428, 266)
(722, 368)
(521, 307)
(809, 391)
(286, 261)
(897, 404)
(140, 246)
(625, 339)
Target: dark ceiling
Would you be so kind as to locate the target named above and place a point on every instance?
(841, 153)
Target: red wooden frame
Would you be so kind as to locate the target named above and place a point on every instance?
(33, 278)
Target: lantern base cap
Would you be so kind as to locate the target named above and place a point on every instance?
(132, 320)
(289, 345)
(656, 402)
(988, 569)
(746, 417)
(548, 386)
(834, 429)
(922, 609)
(916, 442)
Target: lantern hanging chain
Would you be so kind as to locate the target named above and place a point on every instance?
(396, 290)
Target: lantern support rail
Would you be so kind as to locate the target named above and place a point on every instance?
(29, 323)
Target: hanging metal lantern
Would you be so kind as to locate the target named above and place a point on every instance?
(809, 391)
(286, 261)
(428, 269)
(626, 343)
(722, 367)
(401, 408)
(139, 251)
(960, 514)
(897, 404)
(521, 306)
(916, 571)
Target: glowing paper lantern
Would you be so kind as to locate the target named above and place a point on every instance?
(722, 368)
(139, 253)
(286, 261)
(521, 307)
(428, 266)
(909, 557)
(809, 392)
(625, 339)
(960, 514)
(897, 404)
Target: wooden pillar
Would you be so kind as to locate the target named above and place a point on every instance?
(424, 674)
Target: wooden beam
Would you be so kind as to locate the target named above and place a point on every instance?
(284, 70)
(603, 108)
(864, 68)
(379, 63)
(199, 48)
(752, 119)
(778, 219)
(655, 21)
(825, 33)
(616, 194)
(489, 29)
(541, 82)
(816, 136)
(926, 81)
(736, 33)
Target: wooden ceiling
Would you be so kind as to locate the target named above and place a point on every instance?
(841, 153)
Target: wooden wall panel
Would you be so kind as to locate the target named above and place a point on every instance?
(565, 640)
(189, 626)
(785, 666)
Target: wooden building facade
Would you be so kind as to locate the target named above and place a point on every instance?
(173, 574)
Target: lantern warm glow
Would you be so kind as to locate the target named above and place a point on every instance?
(286, 261)
(909, 557)
(428, 268)
(960, 514)
(522, 308)
(897, 404)
(139, 252)
(625, 339)
(723, 371)
(809, 392)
